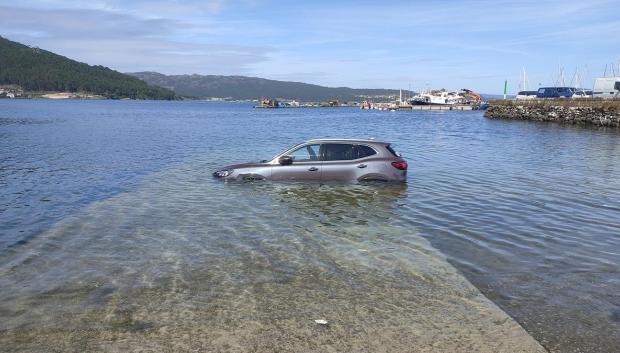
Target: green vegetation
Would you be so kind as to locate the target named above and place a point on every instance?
(243, 87)
(35, 69)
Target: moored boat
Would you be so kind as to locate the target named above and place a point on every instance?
(443, 97)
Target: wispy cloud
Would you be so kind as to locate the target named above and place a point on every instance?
(85, 23)
(126, 42)
(449, 43)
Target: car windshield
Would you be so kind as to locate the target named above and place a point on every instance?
(288, 149)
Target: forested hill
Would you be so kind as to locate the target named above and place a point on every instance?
(242, 87)
(36, 69)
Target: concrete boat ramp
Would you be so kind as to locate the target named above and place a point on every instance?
(255, 269)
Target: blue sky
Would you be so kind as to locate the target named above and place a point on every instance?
(375, 44)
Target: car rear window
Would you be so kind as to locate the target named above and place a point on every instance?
(365, 151)
(389, 148)
(339, 152)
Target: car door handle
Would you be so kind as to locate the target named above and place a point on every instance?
(362, 165)
(313, 169)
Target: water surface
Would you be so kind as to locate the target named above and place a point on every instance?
(108, 210)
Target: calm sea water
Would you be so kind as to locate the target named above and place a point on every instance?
(108, 213)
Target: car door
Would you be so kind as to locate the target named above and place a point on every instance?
(306, 165)
(340, 162)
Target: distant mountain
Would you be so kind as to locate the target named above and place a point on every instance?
(243, 87)
(36, 69)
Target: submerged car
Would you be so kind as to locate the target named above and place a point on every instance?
(325, 160)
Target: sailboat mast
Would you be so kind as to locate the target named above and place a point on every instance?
(524, 84)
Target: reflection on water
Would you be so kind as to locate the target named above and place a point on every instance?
(186, 262)
(112, 230)
(337, 203)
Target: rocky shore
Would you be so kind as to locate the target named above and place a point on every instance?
(591, 112)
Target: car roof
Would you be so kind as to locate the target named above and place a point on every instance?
(348, 140)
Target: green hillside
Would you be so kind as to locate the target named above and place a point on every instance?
(36, 69)
(243, 87)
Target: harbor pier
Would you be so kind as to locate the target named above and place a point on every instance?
(596, 112)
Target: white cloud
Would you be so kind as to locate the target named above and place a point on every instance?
(470, 43)
(126, 42)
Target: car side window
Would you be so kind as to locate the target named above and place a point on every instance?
(365, 151)
(339, 152)
(306, 153)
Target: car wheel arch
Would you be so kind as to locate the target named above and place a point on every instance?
(373, 177)
(250, 177)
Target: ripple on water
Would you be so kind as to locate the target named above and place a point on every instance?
(528, 212)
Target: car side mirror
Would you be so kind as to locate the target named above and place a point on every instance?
(285, 160)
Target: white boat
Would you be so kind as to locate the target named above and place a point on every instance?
(443, 97)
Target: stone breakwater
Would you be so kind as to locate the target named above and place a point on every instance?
(597, 113)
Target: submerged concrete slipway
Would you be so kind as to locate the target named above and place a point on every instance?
(114, 236)
(183, 263)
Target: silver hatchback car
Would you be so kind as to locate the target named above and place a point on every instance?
(325, 160)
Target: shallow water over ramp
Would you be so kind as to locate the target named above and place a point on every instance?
(528, 212)
(185, 262)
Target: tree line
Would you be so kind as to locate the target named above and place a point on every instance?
(35, 69)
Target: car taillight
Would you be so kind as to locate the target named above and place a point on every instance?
(400, 165)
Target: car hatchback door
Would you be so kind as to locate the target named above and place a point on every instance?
(306, 165)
